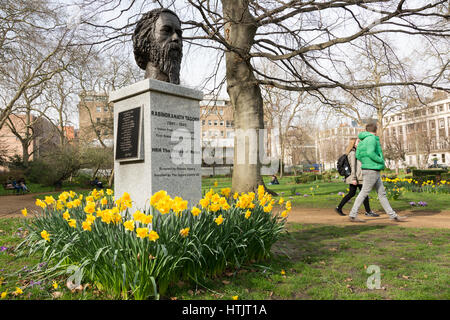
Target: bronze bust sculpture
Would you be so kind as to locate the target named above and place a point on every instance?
(157, 42)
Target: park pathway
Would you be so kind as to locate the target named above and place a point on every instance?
(10, 206)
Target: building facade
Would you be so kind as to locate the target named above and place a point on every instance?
(419, 135)
(96, 119)
(43, 137)
(331, 143)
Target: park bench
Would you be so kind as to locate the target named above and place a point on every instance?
(8, 188)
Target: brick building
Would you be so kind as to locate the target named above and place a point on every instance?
(95, 119)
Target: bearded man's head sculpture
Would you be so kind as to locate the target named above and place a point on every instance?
(158, 45)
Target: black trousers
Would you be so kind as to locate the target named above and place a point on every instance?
(351, 193)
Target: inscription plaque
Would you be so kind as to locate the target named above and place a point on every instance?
(128, 141)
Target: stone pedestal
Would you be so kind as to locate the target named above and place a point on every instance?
(157, 141)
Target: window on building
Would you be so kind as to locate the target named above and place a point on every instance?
(209, 122)
(441, 123)
(105, 109)
(400, 130)
(443, 158)
(221, 133)
(431, 110)
(221, 112)
(424, 112)
(98, 120)
(432, 124)
(400, 118)
(221, 123)
(99, 109)
(203, 122)
(215, 122)
(441, 108)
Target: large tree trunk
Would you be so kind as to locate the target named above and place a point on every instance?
(25, 154)
(244, 92)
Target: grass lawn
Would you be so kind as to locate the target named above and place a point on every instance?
(319, 262)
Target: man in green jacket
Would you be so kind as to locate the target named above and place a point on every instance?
(372, 162)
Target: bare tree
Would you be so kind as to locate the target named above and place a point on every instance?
(34, 46)
(316, 36)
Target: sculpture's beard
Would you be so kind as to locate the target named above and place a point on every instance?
(168, 60)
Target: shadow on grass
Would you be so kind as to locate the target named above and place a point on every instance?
(311, 244)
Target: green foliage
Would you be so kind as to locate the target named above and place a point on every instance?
(428, 172)
(53, 168)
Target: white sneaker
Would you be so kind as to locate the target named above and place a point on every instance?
(399, 218)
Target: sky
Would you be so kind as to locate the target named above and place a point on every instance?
(200, 63)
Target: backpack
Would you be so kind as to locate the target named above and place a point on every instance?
(343, 166)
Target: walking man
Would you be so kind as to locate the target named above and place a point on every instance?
(372, 162)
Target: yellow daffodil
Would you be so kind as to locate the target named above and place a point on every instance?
(59, 205)
(49, 200)
(219, 220)
(104, 201)
(129, 225)
(153, 236)
(55, 285)
(126, 196)
(195, 211)
(247, 214)
(72, 223)
(138, 216)
(66, 215)
(4, 294)
(45, 235)
(281, 201)
(90, 198)
(90, 207)
(235, 297)
(226, 192)
(215, 183)
(214, 207)
(41, 203)
(24, 212)
(142, 232)
(284, 214)
(18, 291)
(204, 202)
(146, 219)
(283, 272)
(86, 226)
(235, 195)
(109, 192)
(184, 232)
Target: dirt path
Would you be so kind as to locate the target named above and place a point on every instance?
(10, 206)
(416, 219)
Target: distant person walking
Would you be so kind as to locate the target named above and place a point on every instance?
(354, 180)
(372, 162)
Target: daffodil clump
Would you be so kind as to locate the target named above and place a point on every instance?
(138, 254)
(419, 185)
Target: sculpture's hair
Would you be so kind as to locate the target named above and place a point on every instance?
(144, 38)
